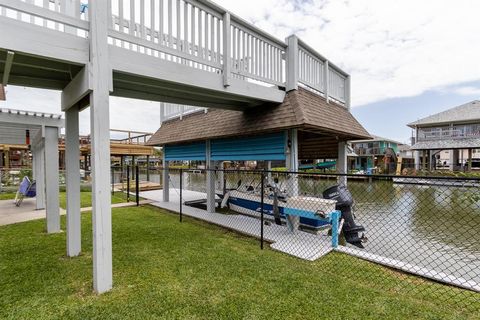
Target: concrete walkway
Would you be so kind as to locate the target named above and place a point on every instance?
(303, 245)
(11, 214)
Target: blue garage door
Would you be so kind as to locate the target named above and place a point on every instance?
(266, 147)
(192, 151)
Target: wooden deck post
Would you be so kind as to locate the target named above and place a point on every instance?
(416, 155)
(227, 62)
(326, 81)
(292, 63)
(51, 180)
(470, 156)
(342, 162)
(100, 128)
(292, 162)
(72, 154)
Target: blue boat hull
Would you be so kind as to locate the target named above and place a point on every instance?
(268, 210)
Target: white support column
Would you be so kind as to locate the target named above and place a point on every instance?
(72, 164)
(292, 162)
(348, 94)
(470, 156)
(292, 63)
(342, 162)
(39, 156)
(166, 179)
(100, 135)
(269, 174)
(51, 180)
(221, 176)
(210, 180)
(452, 160)
(416, 155)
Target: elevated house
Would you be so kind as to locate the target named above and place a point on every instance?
(106, 50)
(448, 139)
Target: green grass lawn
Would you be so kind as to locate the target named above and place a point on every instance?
(7, 196)
(192, 270)
(86, 199)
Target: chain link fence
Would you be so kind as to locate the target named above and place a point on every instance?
(425, 226)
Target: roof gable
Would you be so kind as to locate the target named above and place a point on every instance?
(300, 109)
(464, 113)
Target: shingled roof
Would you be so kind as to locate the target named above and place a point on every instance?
(467, 112)
(301, 109)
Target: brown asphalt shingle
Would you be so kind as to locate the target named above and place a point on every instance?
(301, 109)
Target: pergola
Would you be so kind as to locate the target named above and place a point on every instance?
(43, 131)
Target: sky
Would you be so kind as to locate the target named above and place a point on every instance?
(407, 59)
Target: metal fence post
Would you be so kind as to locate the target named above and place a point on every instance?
(181, 195)
(262, 193)
(128, 183)
(113, 181)
(137, 186)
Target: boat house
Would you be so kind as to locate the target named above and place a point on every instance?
(453, 134)
(303, 127)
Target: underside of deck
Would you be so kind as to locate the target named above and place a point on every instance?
(56, 58)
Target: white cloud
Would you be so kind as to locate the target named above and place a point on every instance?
(391, 48)
(468, 91)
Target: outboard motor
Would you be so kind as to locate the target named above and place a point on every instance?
(344, 199)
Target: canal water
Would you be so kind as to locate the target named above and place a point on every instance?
(434, 227)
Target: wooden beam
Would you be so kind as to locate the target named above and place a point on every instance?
(23, 37)
(124, 61)
(77, 89)
(8, 67)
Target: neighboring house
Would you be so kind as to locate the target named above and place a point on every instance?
(377, 153)
(448, 139)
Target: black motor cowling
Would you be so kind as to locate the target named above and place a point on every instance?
(344, 199)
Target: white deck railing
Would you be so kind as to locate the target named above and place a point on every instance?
(319, 74)
(199, 34)
(52, 14)
(170, 111)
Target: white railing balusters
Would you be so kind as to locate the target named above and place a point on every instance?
(170, 23)
(197, 34)
(227, 49)
(316, 72)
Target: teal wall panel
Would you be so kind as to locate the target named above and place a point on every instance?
(192, 151)
(265, 147)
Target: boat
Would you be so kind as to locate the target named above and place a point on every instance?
(309, 212)
(309, 208)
